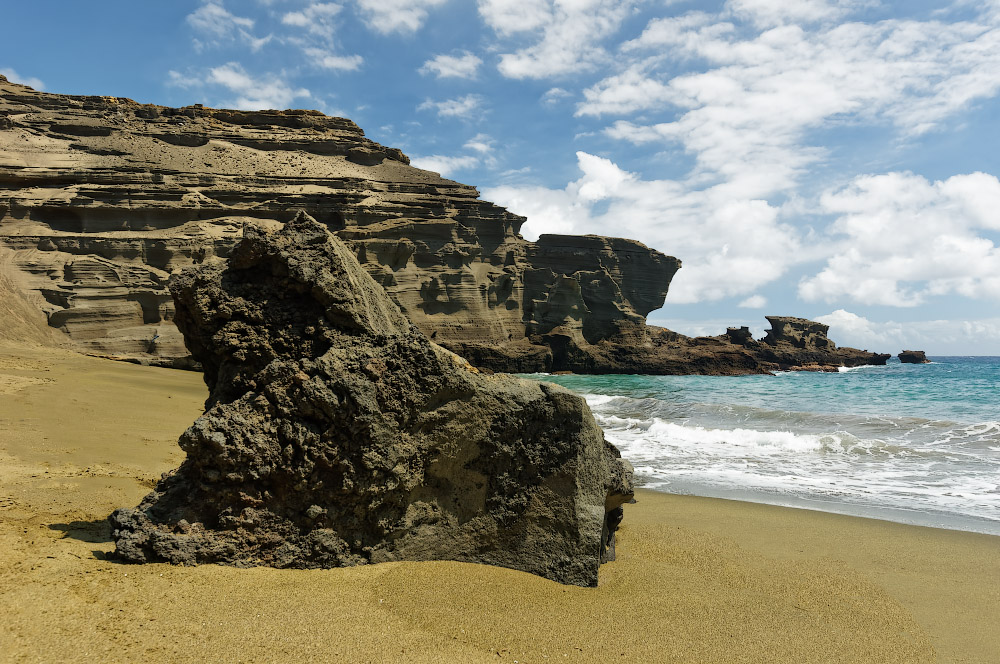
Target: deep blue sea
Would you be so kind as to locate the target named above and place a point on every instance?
(911, 443)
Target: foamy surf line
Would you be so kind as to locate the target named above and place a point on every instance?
(836, 471)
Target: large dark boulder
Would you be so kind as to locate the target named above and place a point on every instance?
(337, 434)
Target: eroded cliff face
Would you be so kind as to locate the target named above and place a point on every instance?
(102, 198)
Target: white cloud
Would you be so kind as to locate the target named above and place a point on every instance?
(778, 12)
(325, 60)
(453, 66)
(252, 93)
(754, 302)
(553, 96)
(936, 337)
(730, 247)
(900, 239)
(315, 27)
(512, 16)
(402, 16)
(443, 164)
(218, 24)
(30, 81)
(213, 19)
(480, 143)
(568, 33)
(462, 107)
(317, 18)
(746, 114)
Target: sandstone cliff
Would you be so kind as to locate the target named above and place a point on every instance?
(103, 198)
(338, 434)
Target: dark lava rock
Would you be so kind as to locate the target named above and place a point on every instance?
(913, 357)
(337, 434)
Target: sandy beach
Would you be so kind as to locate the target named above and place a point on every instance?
(697, 580)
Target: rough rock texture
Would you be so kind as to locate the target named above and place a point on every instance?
(338, 434)
(793, 344)
(102, 199)
(913, 357)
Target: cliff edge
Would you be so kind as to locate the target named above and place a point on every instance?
(103, 198)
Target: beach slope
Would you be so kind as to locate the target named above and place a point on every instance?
(696, 580)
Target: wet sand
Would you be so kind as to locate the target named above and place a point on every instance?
(697, 580)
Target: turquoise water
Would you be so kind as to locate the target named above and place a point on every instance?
(910, 443)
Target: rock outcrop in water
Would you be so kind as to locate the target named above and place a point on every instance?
(792, 344)
(913, 357)
(102, 199)
(338, 434)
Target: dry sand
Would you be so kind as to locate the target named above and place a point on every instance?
(697, 580)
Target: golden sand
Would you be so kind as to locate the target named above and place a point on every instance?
(697, 580)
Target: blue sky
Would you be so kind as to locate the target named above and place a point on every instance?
(833, 159)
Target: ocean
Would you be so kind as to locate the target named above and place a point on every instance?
(917, 444)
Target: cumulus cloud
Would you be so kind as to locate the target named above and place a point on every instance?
(324, 59)
(251, 92)
(465, 65)
(553, 96)
(14, 77)
(754, 302)
(900, 239)
(313, 30)
(770, 13)
(937, 337)
(481, 143)
(316, 18)
(212, 18)
(730, 247)
(747, 112)
(217, 24)
(387, 16)
(445, 165)
(462, 107)
(567, 35)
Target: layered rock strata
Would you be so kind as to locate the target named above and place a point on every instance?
(338, 434)
(103, 198)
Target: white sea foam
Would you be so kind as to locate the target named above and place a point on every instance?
(919, 445)
(781, 466)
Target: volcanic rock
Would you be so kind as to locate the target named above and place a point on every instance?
(337, 434)
(913, 357)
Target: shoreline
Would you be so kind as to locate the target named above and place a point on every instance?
(917, 518)
(697, 579)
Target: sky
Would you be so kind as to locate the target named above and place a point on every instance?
(831, 159)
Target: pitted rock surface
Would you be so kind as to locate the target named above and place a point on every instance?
(337, 434)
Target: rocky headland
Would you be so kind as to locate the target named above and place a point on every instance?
(913, 357)
(103, 198)
(337, 434)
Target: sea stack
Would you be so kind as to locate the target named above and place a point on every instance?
(913, 357)
(336, 434)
